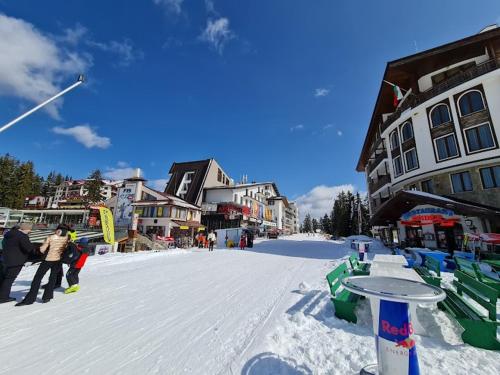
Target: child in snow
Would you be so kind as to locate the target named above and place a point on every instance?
(243, 242)
(74, 269)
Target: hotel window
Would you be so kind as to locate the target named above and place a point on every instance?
(407, 131)
(394, 140)
(219, 175)
(471, 102)
(490, 177)
(398, 166)
(479, 138)
(411, 159)
(427, 186)
(461, 182)
(446, 147)
(440, 114)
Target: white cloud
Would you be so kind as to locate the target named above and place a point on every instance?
(33, 66)
(124, 49)
(297, 127)
(321, 92)
(84, 135)
(119, 173)
(74, 35)
(319, 201)
(339, 133)
(217, 33)
(122, 164)
(170, 6)
(159, 184)
(328, 126)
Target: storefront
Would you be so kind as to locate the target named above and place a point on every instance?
(415, 219)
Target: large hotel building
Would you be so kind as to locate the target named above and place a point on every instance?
(432, 158)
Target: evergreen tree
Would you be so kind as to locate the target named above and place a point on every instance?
(93, 187)
(326, 225)
(307, 224)
(315, 225)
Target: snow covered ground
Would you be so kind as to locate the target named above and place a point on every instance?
(260, 311)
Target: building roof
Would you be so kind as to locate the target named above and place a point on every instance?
(405, 71)
(164, 198)
(244, 186)
(403, 201)
(177, 171)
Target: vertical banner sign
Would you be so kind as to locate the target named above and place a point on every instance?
(108, 228)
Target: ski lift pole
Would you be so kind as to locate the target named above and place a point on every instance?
(79, 81)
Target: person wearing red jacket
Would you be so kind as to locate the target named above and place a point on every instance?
(72, 274)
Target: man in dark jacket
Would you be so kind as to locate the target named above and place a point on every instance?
(16, 248)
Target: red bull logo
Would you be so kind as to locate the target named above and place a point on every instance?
(407, 343)
(405, 330)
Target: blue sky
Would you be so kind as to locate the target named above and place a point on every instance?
(278, 90)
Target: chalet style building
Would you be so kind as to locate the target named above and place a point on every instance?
(431, 154)
(226, 204)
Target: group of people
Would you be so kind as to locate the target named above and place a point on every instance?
(57, 248)
(206, 241)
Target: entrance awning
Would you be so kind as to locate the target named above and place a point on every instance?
(188, 224)
(403, 201)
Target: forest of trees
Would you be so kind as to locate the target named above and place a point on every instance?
(19, 179)
(344, 219)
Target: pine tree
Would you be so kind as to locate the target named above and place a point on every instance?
(93, 187)
(326, 225)
(315, 225)
(307, 224)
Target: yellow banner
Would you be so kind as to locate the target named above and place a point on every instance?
(108, 228)
(183, 227)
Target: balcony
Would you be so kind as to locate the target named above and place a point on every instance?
(381, 181)
(415, 100)
(376, 161)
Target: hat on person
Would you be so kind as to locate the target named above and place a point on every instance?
(26, 226)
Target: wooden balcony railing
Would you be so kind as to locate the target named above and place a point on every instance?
(376, 161)
(381, 181)
(414, 100)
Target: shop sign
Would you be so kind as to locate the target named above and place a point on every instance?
(427, 211)
(184, 227)
(429, 216)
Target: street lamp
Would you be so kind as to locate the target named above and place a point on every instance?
(79, 81)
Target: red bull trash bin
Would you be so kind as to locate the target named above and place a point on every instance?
(390, 298)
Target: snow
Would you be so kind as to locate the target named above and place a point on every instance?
(264, 310)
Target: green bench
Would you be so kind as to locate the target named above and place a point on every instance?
(358, 268)
(479, 330)
(344, 301)
(431, 264)
(472, 269)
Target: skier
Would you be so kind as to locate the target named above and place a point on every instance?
(211, 240)
(74, 269)
(243, 242)
(16, 249)
(53, 247)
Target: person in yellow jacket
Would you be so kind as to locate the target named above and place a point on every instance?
(72, 235)
(52, 248)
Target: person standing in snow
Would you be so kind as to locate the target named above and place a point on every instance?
(16, 249)
(53, 247)
(361, 251)
(243, 242)
(74, 269)
(60, 272)
(211, 240)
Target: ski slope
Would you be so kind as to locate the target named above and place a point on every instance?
(260, 311)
